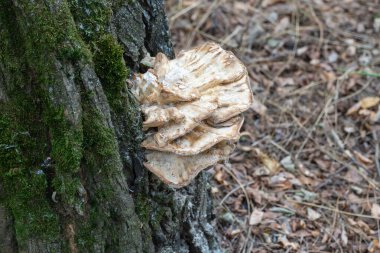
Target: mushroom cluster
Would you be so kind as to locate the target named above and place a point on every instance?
(192, 107)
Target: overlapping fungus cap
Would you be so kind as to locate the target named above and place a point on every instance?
(192, 107)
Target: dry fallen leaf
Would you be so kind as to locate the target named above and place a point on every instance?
(343, 236)
(256, 217)
(312, 215)
(267, 3)
(219, 176)
(214, 190)
(261, 171)
(255, 194)
(364, 104)
(329, 77)
(281, 26)
(302, 50)
(281, 181)
(272, 165)
(283, 81)
(369, 102)
(258, 107)
(323, 164)
(301, 233)
(375, 210)
(353, 109)
(363, 225)
(375, 116)
(285, 242)
(365, 112)
(287, 163)
(235, 232)
(362, 158)
(353, 176)
(354, 199)
(374, 246)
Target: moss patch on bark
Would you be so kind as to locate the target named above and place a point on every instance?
(42, 151)
(32, 124)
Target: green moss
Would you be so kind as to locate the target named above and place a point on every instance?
(100, 142)
(30, 191)
(111, 69)
(39, 128)
(22, 142)
(101, 158)
(51, 31)
(34, 127)
(156, 217)
(91, 17)
(66, 152)
(117, 4)
(143, 207)
(24, 183)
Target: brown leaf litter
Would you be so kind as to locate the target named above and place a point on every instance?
(305, 174)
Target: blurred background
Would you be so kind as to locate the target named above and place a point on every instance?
(305, 174)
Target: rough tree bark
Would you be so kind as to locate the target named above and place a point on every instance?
(71, 174)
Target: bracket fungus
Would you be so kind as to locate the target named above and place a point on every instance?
(192, 107)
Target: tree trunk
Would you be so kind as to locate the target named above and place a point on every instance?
(71, 173)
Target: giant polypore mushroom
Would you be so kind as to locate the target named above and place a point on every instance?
(192, 107)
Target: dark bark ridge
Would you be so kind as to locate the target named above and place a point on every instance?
(71, 175)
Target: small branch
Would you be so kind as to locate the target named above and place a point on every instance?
(377, 162)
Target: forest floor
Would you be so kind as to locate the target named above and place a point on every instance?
(305, 174)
